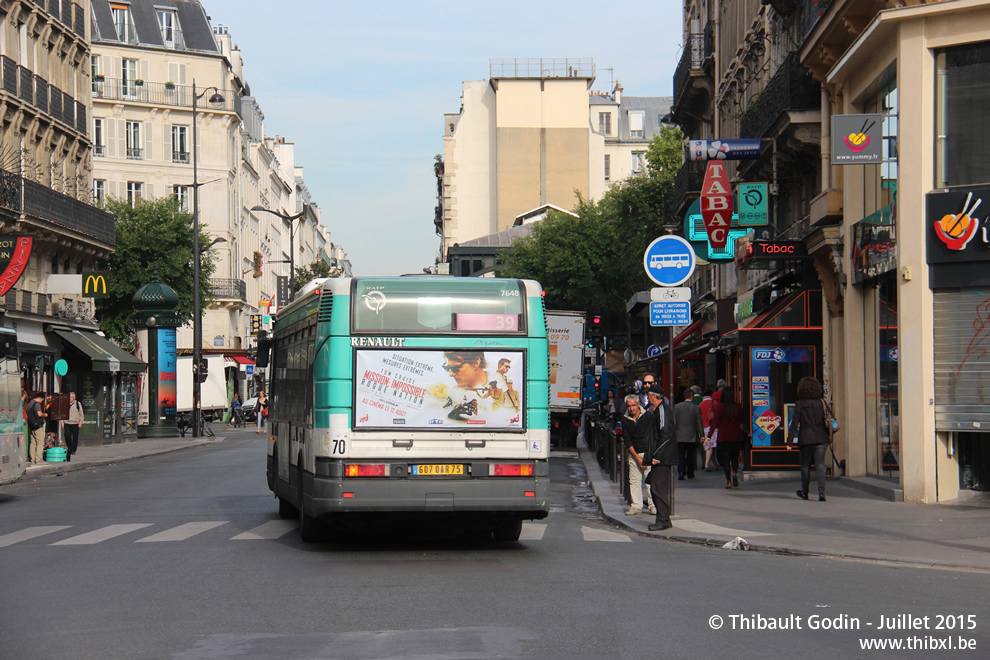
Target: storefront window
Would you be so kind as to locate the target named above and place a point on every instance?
(963, 90)
(882, 402)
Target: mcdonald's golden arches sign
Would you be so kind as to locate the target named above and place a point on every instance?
(94, 284)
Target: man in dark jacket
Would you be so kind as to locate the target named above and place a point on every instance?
(689, 433)
(663, 454)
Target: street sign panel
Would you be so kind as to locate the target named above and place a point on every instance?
(745, 149)
(663, 314)
(753, 205)
(669, 260)
(249, 369)
(716, 204)
(670, 293)
(653, 350)
(857, 139)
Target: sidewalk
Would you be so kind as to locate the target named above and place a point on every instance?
(90, 456)
(771, 518)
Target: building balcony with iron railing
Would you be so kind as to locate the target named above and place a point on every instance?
(22, 84)
(791, 88)
(38, 202)
(227, 290)
(133, 153)
(698, 54)
(180, 156)
(164, 94)
(99, 150)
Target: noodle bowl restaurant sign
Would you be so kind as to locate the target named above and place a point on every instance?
(957, 237)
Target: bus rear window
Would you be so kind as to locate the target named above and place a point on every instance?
(429, 305)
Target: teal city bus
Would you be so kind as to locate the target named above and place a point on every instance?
(419, 395)
(13, 444)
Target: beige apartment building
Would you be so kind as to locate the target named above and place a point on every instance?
(888, 308)
(49, 230)
(532, 135)
(147, 57)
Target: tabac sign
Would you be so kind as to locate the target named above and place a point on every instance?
(14, 254)
(716, 204)
(94, 284)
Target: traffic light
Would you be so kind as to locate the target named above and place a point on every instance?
(595, 332)
(255, 324)
(203, 371)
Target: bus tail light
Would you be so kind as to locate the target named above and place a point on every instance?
(529, 493)
(510, 470)
(365, 470)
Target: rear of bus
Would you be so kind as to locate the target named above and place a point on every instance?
(430, 397)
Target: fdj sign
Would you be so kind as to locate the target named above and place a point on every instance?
(716, 204)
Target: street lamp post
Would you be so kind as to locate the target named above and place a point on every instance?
(217, 97)
(292, 243)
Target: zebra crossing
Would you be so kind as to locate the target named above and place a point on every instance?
(268, 531)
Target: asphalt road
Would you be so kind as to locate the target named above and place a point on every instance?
(183, 556)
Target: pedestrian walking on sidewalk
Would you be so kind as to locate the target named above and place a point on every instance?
(809, 426)
(261, 411)
(236, 419)
(707, 407)
(663, 458)
(36, 427)
(688, 431)
(72, 426)
(731, 440)
(635, 432)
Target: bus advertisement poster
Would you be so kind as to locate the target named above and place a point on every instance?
(427, 389)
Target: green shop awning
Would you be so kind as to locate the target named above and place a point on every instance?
(104, 355)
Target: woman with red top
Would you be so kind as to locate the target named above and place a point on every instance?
(731, 440)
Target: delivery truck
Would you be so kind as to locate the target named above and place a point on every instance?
(212, 392)
(565, 331)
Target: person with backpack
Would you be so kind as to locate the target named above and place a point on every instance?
(36, 427)
(72, 426)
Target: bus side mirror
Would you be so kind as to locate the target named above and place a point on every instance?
(264, 349)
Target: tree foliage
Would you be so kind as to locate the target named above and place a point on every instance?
(594, 262)
(319, 268)
(153, 238)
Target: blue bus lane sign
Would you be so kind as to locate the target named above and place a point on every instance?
(669, 260)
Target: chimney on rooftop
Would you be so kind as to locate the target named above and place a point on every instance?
(617, 92)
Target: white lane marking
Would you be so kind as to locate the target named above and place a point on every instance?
(699, 527)
(29, 533)
(102, 534)
(532, 531)
(182, 532)
(592, 534)
(269, 530)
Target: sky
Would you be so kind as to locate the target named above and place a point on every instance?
(361, 89)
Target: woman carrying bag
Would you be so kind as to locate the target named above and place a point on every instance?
(812, 425)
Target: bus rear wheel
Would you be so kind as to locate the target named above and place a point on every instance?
(508, 532)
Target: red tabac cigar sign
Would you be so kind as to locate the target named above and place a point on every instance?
(716, 204)
(14, 254)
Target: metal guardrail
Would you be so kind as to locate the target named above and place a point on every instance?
(791, 88)
(228, 289)
(553, 67)
(700, 46)
(21, 195)
(118, 89)
(608, 448)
